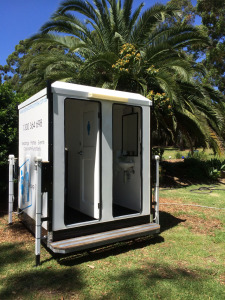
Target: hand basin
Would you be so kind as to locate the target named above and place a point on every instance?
(126, 165)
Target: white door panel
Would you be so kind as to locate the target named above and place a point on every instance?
(90, 161)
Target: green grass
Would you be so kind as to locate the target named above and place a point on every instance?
(212, 195)
(170, 153)
(186, 261)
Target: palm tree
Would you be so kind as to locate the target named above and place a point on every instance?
(137, 52)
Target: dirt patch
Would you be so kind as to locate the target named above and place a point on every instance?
(195, 223)
(199, 225)
(16, 232)
(174, 160)
(222, 279)
(222, 180)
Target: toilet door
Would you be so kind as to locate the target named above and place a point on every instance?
(90, 160)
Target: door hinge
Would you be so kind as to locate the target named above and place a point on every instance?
(99, 205)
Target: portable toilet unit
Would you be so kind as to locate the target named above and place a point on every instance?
(94, 145)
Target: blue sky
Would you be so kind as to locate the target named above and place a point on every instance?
(19, 19)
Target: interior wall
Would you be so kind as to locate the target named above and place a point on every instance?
(126, 192)
(73, 110)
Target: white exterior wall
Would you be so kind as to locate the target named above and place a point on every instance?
(33, 142)
(61, 91)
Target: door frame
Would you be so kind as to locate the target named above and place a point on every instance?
(100, 157)
(140, 151)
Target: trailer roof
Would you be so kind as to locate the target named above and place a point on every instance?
(33, 98)
(89, 92)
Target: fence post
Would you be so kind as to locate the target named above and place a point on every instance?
(11, 188)
(38, 167)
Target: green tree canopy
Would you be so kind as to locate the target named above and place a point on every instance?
(213, 18)
(187, 12)
(11, 71)
(8, 130)
(9, 101)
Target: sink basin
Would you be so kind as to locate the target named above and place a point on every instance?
(126, 165)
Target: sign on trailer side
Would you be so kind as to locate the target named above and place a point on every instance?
(33, 142)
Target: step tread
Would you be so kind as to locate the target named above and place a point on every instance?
(105, 237)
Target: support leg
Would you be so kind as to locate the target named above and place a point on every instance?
(11, 188)
(38, 167)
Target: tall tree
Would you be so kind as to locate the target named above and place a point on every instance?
(137, 52)
(18, 64)
(213, 18)
(11, 72)
(187, 12)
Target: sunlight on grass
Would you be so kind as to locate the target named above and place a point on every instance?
(208, 195)
(171, 153)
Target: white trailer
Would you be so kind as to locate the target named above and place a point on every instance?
(92, 147)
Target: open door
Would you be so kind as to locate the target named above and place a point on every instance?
(89, 154)
(82, 157)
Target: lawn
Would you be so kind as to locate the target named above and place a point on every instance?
(186, 261)
(173, 153)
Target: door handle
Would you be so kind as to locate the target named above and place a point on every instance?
(80, 152)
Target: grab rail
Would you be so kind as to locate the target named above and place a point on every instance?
(156, 200)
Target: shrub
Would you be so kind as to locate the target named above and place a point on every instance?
(209, 168)
(199, 155)
(194, 168)
(178, 155)
(213, 168)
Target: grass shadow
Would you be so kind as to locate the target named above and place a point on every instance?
(19, 227)
(109, 250)
(168, 221)
(46, 283)
(11, 254)
(159, 279)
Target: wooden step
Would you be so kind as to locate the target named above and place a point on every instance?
(103, 238)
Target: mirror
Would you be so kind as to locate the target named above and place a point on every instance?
(130, 135)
